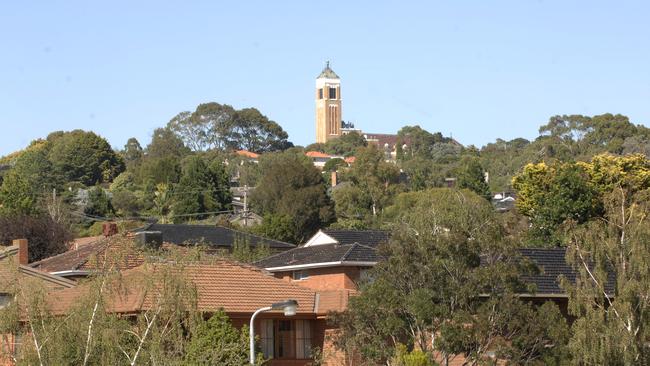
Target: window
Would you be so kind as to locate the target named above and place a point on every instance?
(266, 337)
(320, 93)
(332, 93)
(303, 339)
(300, 275)
(286, 339)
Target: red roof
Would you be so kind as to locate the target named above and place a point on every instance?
(317, 154)
(235, 287)
(248, 154)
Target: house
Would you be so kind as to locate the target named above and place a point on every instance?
(14, 272)
(331, 260)
(320, 159)
(127, 253)
(251, 156)
(239, 290)
(217, 237)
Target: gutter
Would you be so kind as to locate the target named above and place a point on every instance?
(322, 265)
(71, 272)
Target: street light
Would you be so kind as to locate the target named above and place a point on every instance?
(288, 306)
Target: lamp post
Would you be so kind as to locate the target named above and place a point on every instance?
(288, 306)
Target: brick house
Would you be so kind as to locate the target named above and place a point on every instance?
(331, 260)
(14, 270)
(239, 290)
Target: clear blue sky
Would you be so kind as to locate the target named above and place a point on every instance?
(475, 69)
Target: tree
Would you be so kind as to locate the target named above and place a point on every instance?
(470, 175)
(166, 144)
(217, 342)
(345, 145)
(375, 177)
(201, 190)
(132, 152)
(99, 204)
(253, 131)
(24, 184)
(552, 194)
(611, 296)
(447, 249)
(291, 186)
(81, 156)
(46, 237)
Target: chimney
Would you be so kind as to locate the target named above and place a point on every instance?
(334, 180)
(23, 251)
(109, 229)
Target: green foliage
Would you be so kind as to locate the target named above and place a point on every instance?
(133, 152)
(83, 157)
(424, 144)
(551, 195)
(217, 342)
(23, 186)
(278, 227)
(376, 181)
(612, 326)
(413, 358)
(202, 189)
(431, 283)
(216, 126)
(470, 175)
(333, 165)
(243, 251)
(292, 187)
(99, 204)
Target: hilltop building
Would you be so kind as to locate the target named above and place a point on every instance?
(329, 123)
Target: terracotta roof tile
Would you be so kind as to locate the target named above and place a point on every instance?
(248, 154)
(317, 154)
(235, 287)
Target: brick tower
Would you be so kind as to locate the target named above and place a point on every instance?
(328, 105)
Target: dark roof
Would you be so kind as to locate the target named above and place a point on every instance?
(324, 253)
(371, 238)
(211, 235)
(72, 259)
(328, 73)
(552, 264)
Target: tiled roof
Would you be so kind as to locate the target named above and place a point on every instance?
(325, 253)
(211, 235)
(8, 275)
(371, 238)
(317, 154)
(552, 263)
(235, 287)
(248, 154)
(120, 251)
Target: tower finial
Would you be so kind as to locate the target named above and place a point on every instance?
(327, 64)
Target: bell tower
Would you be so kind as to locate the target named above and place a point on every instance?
(328, 105)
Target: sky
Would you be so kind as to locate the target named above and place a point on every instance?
(475, 70)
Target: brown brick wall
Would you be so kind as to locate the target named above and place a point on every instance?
(326, 279)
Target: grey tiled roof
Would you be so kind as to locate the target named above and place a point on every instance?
(371, 238)
(211, 235)
(552, 264)
(321, 254)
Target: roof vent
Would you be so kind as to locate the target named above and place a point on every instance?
(149, 239)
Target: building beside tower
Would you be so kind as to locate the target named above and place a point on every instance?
(328, 105)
